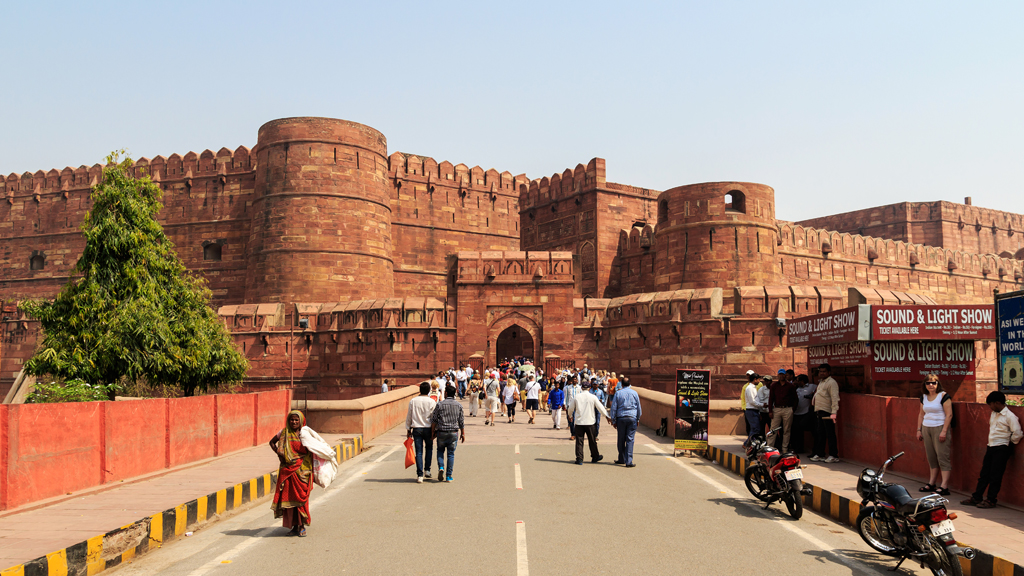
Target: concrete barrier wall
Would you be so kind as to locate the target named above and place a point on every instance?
(872, 428)
(370, 416)
(48, 450)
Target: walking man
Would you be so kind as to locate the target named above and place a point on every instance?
(582, 415)
(556, 399)
(532, 401)
(417, 422)
(597, 389)
(572, 389)
(450, 427)
(625, 414)
(460, 377)
(826, 405)
(384, 386)
(1003, 431)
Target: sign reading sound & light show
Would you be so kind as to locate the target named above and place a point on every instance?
(932, 322)
(693, 390)
(846, 325)
(1010, 341)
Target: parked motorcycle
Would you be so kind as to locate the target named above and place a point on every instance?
(896, 524)
(771, 476)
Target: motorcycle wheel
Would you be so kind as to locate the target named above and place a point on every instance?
(876, 532)
(942, 562)
(795, 500)
(757, 483)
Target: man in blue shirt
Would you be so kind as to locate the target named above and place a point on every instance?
(625, 413)
(598, 390)
(556, 399)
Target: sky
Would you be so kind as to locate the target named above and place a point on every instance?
(837, 106)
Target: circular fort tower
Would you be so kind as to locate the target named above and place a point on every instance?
(716, 234)
(321, 220)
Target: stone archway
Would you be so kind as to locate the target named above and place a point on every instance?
(523, 327)
(514, 341)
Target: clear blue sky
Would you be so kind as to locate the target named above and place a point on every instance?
(838, 106)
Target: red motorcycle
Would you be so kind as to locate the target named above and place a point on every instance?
(771, 476)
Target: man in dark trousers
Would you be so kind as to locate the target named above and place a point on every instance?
(625, 413)
(1003, 432)
(450, 426)
(582, 411)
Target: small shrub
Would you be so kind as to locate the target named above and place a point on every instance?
(74, 390)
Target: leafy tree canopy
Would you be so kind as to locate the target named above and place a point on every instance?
(132, 311)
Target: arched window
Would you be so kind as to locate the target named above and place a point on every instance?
(735, 201)
(37, 262)
(212, 251)
(662, 211)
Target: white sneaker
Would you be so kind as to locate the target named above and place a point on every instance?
(831, 460)
(815, 459)
(419, 479)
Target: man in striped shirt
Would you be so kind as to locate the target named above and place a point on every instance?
(450, 427)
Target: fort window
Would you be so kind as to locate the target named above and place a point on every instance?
(37, 262)
(662, 211)
(735, 202)
(212, 252)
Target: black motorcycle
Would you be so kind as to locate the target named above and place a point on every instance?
(896, 524)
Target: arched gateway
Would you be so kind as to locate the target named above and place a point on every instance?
(514, 341)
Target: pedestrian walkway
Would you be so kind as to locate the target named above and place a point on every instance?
(998, 531)
(42, 528)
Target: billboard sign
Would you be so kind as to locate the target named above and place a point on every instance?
(847, 325)
(693, 392)
(1010, 341)
(933, 322)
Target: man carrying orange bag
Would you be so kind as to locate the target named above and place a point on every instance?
(417, 422)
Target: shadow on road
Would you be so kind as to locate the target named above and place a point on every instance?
(410, 479)
(876, 562)
(570, 461)
(256, 533)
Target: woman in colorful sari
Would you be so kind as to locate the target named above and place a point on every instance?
(295, 477)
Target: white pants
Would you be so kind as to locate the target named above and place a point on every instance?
(556, 417)
(474, 403)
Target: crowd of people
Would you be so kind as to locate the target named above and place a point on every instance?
(798, 405)
(583, 397)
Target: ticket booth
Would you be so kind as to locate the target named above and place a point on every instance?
(888, 349)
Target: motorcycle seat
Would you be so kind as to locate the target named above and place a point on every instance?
(905, 503)
(774, 459)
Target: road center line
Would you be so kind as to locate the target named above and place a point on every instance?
(517, 448)
(522, 563)
(519, 478)
(813, 540)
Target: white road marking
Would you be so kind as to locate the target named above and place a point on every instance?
(517, 448)
(522, 563)
(813, 540)
(332, 490)
(519, 478)
(388, 453)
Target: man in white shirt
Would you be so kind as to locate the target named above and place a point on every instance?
(461, 377)
(417, 422)
(384, 386)
(582, 416)
(532, 401)
(1003, 431)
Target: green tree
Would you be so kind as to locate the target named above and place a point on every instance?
(132, 311)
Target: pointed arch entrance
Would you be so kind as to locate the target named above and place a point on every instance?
(514, 341)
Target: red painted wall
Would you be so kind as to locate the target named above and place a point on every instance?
(270, 410)
(872, 428)
(235, 421)
(136, 438)
(53, 449)
(191, 424)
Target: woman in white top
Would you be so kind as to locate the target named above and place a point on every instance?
(510, 393)
(933, 428)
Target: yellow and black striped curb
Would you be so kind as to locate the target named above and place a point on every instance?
(844, 510)
(105, 551)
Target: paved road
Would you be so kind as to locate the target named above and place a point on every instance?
(667, 515)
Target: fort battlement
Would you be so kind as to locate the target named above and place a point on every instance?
(403, 265)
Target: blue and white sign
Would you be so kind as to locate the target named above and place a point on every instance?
(1010, 340)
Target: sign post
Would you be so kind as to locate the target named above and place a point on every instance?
(693, 391)
(1010, 341)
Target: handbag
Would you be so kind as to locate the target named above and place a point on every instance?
(482, 395)
(410, 453)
